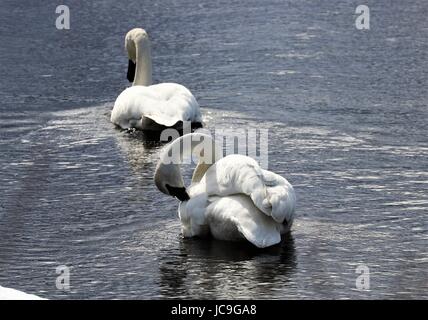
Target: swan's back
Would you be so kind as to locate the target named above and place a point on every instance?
(238, 174)
(164, 103)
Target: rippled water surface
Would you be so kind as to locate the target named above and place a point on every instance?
(346, 112)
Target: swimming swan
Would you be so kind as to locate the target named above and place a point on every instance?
(151, 107)
(230, 197)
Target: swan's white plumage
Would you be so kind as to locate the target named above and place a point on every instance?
(229, 218)
(233, 199)
(237, 198)
(238, 211)
(236, 174)
(164, 103)
(12, 294)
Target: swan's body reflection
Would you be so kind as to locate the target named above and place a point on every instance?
(220, 269)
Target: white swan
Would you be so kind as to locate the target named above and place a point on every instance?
(12, 294)
(230, 198)
(150, 107)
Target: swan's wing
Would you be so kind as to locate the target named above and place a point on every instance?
(228, 218)
(179, 105)
(165, 103)
(232, 216)
(235, 174)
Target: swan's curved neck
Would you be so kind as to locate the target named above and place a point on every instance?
(199, 145)
(143, 57)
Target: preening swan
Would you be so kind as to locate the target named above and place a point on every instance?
(151, 107)
(12, 294)
(230, 197)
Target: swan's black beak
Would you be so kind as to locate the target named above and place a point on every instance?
(131, 71)
(179, 193)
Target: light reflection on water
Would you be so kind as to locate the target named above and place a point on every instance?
(82, 195)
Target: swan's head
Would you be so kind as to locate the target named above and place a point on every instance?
(136, 43)
(134, 38)
(168, 179)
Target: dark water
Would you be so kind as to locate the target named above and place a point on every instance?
(346, 112)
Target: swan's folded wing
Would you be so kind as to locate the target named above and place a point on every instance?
(270, 193)
(165, 103)
(229, 215)
(180, 103)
